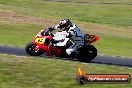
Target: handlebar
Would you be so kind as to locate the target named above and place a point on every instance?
(47, 32)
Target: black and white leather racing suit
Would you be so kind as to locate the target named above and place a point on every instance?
(76, 36)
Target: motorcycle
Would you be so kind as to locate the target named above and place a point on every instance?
(49, 44)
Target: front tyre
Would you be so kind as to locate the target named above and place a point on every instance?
(30, 49)
(87, 53)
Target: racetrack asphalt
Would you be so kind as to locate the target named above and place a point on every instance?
(99, 59)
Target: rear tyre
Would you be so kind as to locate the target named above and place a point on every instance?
(30, 49)
(87, 53)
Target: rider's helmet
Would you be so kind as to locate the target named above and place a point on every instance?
(65, 24)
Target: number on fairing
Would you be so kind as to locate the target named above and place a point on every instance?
(40, 40)
(90, 38)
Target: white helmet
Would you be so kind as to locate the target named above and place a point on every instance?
(65, 24)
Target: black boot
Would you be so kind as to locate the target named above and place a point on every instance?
(72, 55)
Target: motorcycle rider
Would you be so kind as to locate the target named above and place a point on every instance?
(73, 32)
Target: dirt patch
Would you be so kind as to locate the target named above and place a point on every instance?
(12, 17)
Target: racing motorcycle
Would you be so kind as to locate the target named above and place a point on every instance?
(49, 44)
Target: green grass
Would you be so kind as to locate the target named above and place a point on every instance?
(96, 13)
(17, 35)
(109, 45)
(45, 73)
(114, 22)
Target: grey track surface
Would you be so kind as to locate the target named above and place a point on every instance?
(99, 59)
(68, 1)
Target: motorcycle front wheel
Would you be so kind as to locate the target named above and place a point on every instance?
(30, 49)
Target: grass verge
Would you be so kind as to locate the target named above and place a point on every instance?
(39, 72)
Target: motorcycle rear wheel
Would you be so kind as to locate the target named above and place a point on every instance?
(87, 53)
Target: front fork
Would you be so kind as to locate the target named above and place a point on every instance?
(37, 48)
(41, 46)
